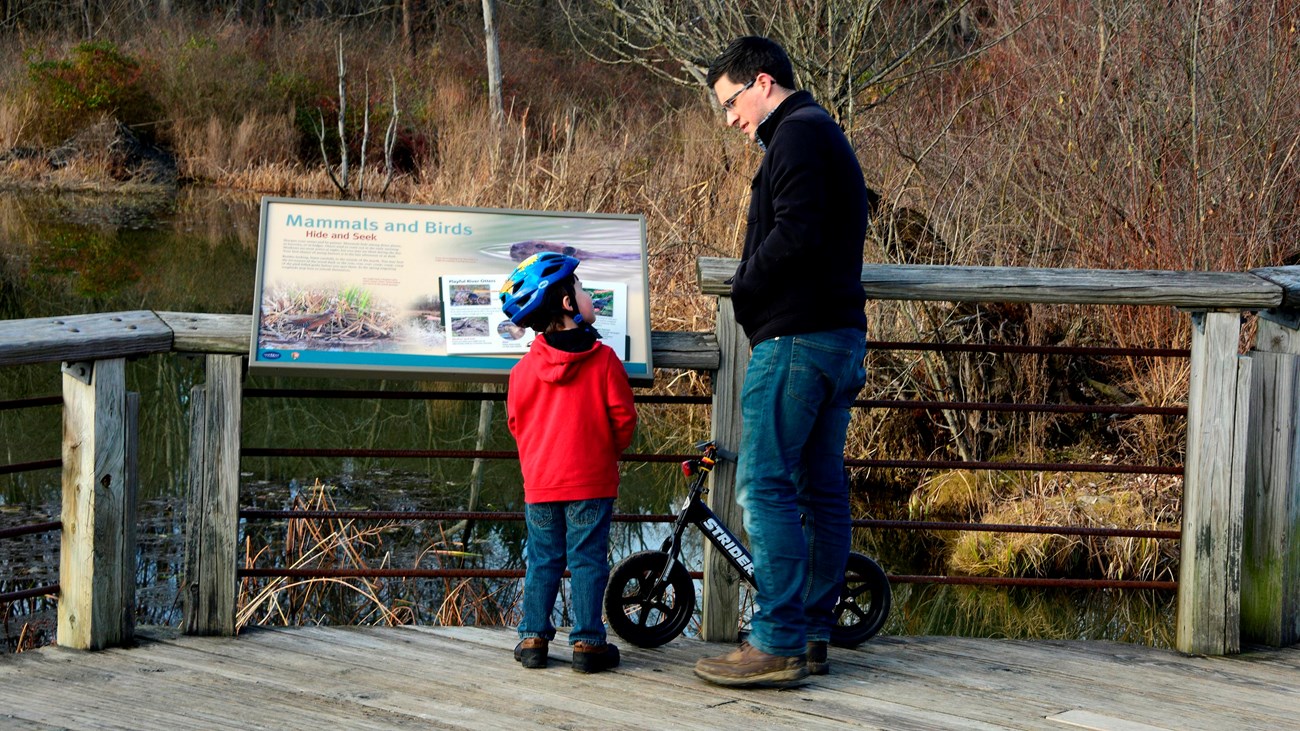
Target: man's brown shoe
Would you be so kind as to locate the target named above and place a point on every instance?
(748, 665)
(818, 664)
(531, 652)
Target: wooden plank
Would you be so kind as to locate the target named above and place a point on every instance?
(130, 496)
(1270, 591)
(720, 602)
(685, 350)
(1213, 489)
(316, 671)
(91, 337)
(1288, 278)
(465, 677)
(200, 696)
(1270, 579)
(896, 699)
(212, 504)
(1100, 722)
(94, 488)
(1196, 290)
(646, 680)
(232, 334)
(555, 694)
(196, 332)
(1144, 682)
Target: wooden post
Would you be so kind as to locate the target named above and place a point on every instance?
(1209, 580)
(720, 605)
(212, 505)
(1270, 574)
(96, 554)
(130, 500)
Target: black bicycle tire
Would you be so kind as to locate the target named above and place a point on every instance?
(854, 624)
(627, 615)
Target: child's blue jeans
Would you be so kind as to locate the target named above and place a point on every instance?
(577, 533)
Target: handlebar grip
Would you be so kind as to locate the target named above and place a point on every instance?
(727, 454)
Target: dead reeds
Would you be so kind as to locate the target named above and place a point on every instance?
(336, 543)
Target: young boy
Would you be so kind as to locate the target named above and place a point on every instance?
(570, 410)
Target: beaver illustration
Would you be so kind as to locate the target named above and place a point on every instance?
(524, 249)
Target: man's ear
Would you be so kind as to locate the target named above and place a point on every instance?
(567, 304)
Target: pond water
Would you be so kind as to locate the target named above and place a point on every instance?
(196, 251)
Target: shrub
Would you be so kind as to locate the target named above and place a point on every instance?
(94, 79)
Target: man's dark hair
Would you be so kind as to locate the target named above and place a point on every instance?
(748, 57)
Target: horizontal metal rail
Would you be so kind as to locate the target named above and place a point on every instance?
(946, 464)
(444, 573)
(323, 393)
(32, 402)
(427, 454)
(1013, 528)
(13, 596)
(260, 514)
(1030, 349)
(26, 530)
(1036, 582)
(45, 464)
(639, 457)
(1031, 408)
(413, 515)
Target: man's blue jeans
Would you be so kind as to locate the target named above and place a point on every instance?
(577, 533)
(792, 484)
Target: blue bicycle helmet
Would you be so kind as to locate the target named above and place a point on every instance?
(525, 288)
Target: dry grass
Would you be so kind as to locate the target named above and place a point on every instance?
(344, 544)
(1074, 500)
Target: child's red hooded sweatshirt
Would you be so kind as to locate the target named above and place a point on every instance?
(572, 416)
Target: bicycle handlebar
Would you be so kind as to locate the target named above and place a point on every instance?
(719, 452)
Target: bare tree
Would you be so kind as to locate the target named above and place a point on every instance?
(340, 175)
(840, 48)
(493, 62)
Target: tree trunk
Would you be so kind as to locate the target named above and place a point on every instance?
(493, 62)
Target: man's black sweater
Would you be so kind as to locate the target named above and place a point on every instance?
(801, 270)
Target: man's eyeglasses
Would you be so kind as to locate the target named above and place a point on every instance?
(731, 100)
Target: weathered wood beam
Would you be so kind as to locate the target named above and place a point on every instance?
(1288, 278)
(1270, 572)
(205, 333)
(1193, 290)
(686, 350)
(1209, 577)
(97, 556)
(194, 332)
(720, 603)
(82, 337)
(212, 503)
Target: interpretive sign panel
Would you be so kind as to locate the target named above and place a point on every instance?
(379, 290)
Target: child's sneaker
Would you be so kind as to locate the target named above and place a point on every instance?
(531, 652)
(591, 658)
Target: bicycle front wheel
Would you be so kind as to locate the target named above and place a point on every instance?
(636, 615)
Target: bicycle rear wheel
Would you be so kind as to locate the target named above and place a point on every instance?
(638, 617)
(864, 602)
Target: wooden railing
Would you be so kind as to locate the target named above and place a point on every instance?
(1240, 563)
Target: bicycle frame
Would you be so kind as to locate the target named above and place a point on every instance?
(695, 512)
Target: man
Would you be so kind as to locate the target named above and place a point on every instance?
(798, 295)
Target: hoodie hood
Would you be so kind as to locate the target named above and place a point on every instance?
(558, 366)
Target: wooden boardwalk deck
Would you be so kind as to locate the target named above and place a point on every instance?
(464, 678)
